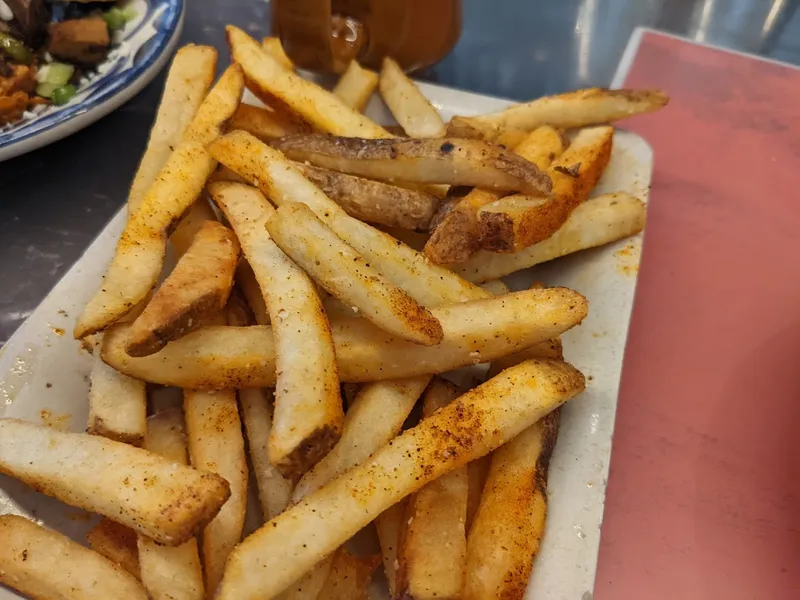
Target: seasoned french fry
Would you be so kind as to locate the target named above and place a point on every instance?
(548, 349)
(389, 525)
(274, 175)
(414, 112)
(496, 287)
(456, 235)
(274, 490)
(140, 251)
(188, 80)
(267, 78)
(477, 471)
(449, 161)
(375, 418)
(434, 547)
(596, 222)
(510, 521)
(214, 435)
(349, 576)
(355, 86)
(192, 222)
(196, 290)
(170, 573)
(151, 495)
(374, 201)
(474, 332)
(309, 586)
(516, 222)
(262, 122)
(308, 402)
(280, 552)
(117, 404)
(592, 106)
(41, 563)
(345, 274)
(246, 280)
(273, 47)
(117, 543)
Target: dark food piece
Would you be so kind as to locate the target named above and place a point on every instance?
(81, 41)
(31, 18)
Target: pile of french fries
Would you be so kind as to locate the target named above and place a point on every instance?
(288, 294)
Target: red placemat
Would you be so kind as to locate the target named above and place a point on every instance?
(704, 491)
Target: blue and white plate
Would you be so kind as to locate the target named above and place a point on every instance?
(139, 53)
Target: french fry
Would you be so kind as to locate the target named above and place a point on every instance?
(375, 418)
(188, 80)
(596, 222)
(309, 586)
(510, 521)
(456, 235)
(117, 543)
(41, 563)
(474, 332)
(214, 436)
(274, 491)
(274, 175)
(246, 280)
(374, 201)
(280, 552)
(355, 86)
(592, 106)
(117, 404)
(349, 576)
(151, 495)
(548, 349)
(413, 239)
(477, 472)
(345, 274)
(308, 404)
(449, 161)
(389, 526)
(268, 79)
(273, 47)
(516, 222)
(414, 112)
(196, 290)
(434, 547)
(496, 287)
(192, 222)
(140, 251)
(263, 123)
(170, 572)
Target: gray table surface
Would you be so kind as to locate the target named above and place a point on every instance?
(54, 201)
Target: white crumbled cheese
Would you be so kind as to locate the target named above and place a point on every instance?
(5, 12)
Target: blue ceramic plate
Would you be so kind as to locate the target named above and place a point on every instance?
(139, 52)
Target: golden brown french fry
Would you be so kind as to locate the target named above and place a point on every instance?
(374, 201)
(596, 222)
(309, 586)
(477, 472)
(474, 332)
(355, 86)
(389, 525)
(117, 543)
(375, 418)
(267, 78)
(516, 222)
(349, 576)
(140, 251)
(262, 122)
(345, 274)
(198, 215)
(41, 563)
(268, 169)
(117, 404)
(196, 290)
(510, 521)
(153, 496)
(273, 47)
(592, 106)
(547, 349)
(450, 161)
(280, 552)
(188, 80)
(167, 572)
(434, 546)
(214, 435)
(308, 403)
(496, 287)
(246, 280)
(456, 235)
(414, 112)
(274, 490)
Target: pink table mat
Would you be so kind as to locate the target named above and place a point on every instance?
(704, 492)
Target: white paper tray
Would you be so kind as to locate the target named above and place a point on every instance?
(44, 374)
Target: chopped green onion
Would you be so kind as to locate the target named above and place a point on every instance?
(115, 19)
(56, 73)
(63, 94)
(16, 50)
(46, 89)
